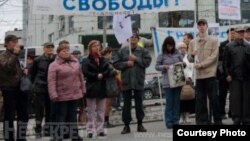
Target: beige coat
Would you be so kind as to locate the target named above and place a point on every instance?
(207, 55)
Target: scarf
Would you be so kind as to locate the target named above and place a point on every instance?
(96, 57)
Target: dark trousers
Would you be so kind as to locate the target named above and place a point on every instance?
(223, 90)
(207, 87)
(240, 101)
(15, 102)
(42, 103)
(66, 118)
(126, 112)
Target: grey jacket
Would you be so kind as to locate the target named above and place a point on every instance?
(167, 59)
(132, 78)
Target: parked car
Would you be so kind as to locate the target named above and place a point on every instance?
(151, 88)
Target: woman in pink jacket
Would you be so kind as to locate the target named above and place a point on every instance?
(66, 86)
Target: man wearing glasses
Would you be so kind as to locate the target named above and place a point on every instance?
(38, 74)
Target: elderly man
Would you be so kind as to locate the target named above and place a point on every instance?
(15, 101)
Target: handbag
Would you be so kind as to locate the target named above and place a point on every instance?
(111, 86)
(187, 92)
(25, 84)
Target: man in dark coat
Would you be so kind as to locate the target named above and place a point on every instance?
(15, 101)
(39, 74)
(132, 66)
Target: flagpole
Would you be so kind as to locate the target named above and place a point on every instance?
(104, 25)
(155, 38)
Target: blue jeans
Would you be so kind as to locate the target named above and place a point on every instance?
(172, 110)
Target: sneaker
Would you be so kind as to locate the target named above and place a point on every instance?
(90, 135)
(141, 128)
(126, 130)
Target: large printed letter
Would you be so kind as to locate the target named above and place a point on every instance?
(157, 3)
(113, 5)
(83, 5)
(129, 7)
(101, 6)
(146, 6)
(66, 6)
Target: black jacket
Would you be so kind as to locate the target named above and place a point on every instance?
(220, 70)
(39, 73)
(95, 87)
(10, 71)
(234, 59)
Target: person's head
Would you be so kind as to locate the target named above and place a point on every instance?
(240, 31)
(182, 47)
(30, 59)
(76, 54)
(94, 47)
(168, 46)
(247, 33)
(231, 34)
(63, 49)
(11, 41)
(202, 26)
(107, 53)
(187, 38)
(134, 39)
(48, 48)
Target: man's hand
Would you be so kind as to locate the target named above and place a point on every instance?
(130, 63)
(132, 57)
(229, 78)
(198, 66)
(25, 71)
(100, 76)
(194, 52)
(166, 67)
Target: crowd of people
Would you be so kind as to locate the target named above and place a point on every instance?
(65, 81)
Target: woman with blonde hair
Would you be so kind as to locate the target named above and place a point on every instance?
(96, 70)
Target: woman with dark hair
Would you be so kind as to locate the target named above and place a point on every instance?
(96, 70)
(165, 60)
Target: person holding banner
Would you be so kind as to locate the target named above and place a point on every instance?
(170, 56)
(203, 51)
(132, 66)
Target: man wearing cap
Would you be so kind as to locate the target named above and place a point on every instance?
(247, 34)
(221, 76)
(38, 74)
(15, 101)
(132, 66)
(203, 51)
(234, 65)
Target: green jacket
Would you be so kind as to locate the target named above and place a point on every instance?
(132, 77)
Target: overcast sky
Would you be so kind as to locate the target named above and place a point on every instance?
(10, 17)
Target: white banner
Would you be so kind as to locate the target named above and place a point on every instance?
(108, 7)
(159, 34)
(122, 27)
(229, 9)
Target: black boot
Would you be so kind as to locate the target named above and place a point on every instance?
(126, 129)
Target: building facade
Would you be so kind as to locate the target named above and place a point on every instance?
(38, 29)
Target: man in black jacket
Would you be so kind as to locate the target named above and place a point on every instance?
(38, 74)
(15, 101)
(234, 64)
(221, 76)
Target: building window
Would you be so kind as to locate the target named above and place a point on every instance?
(51, 18)
(51, 37)
(71, 24)
(176, 19)
(135, 19)
(61, 26)
(245, 17)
